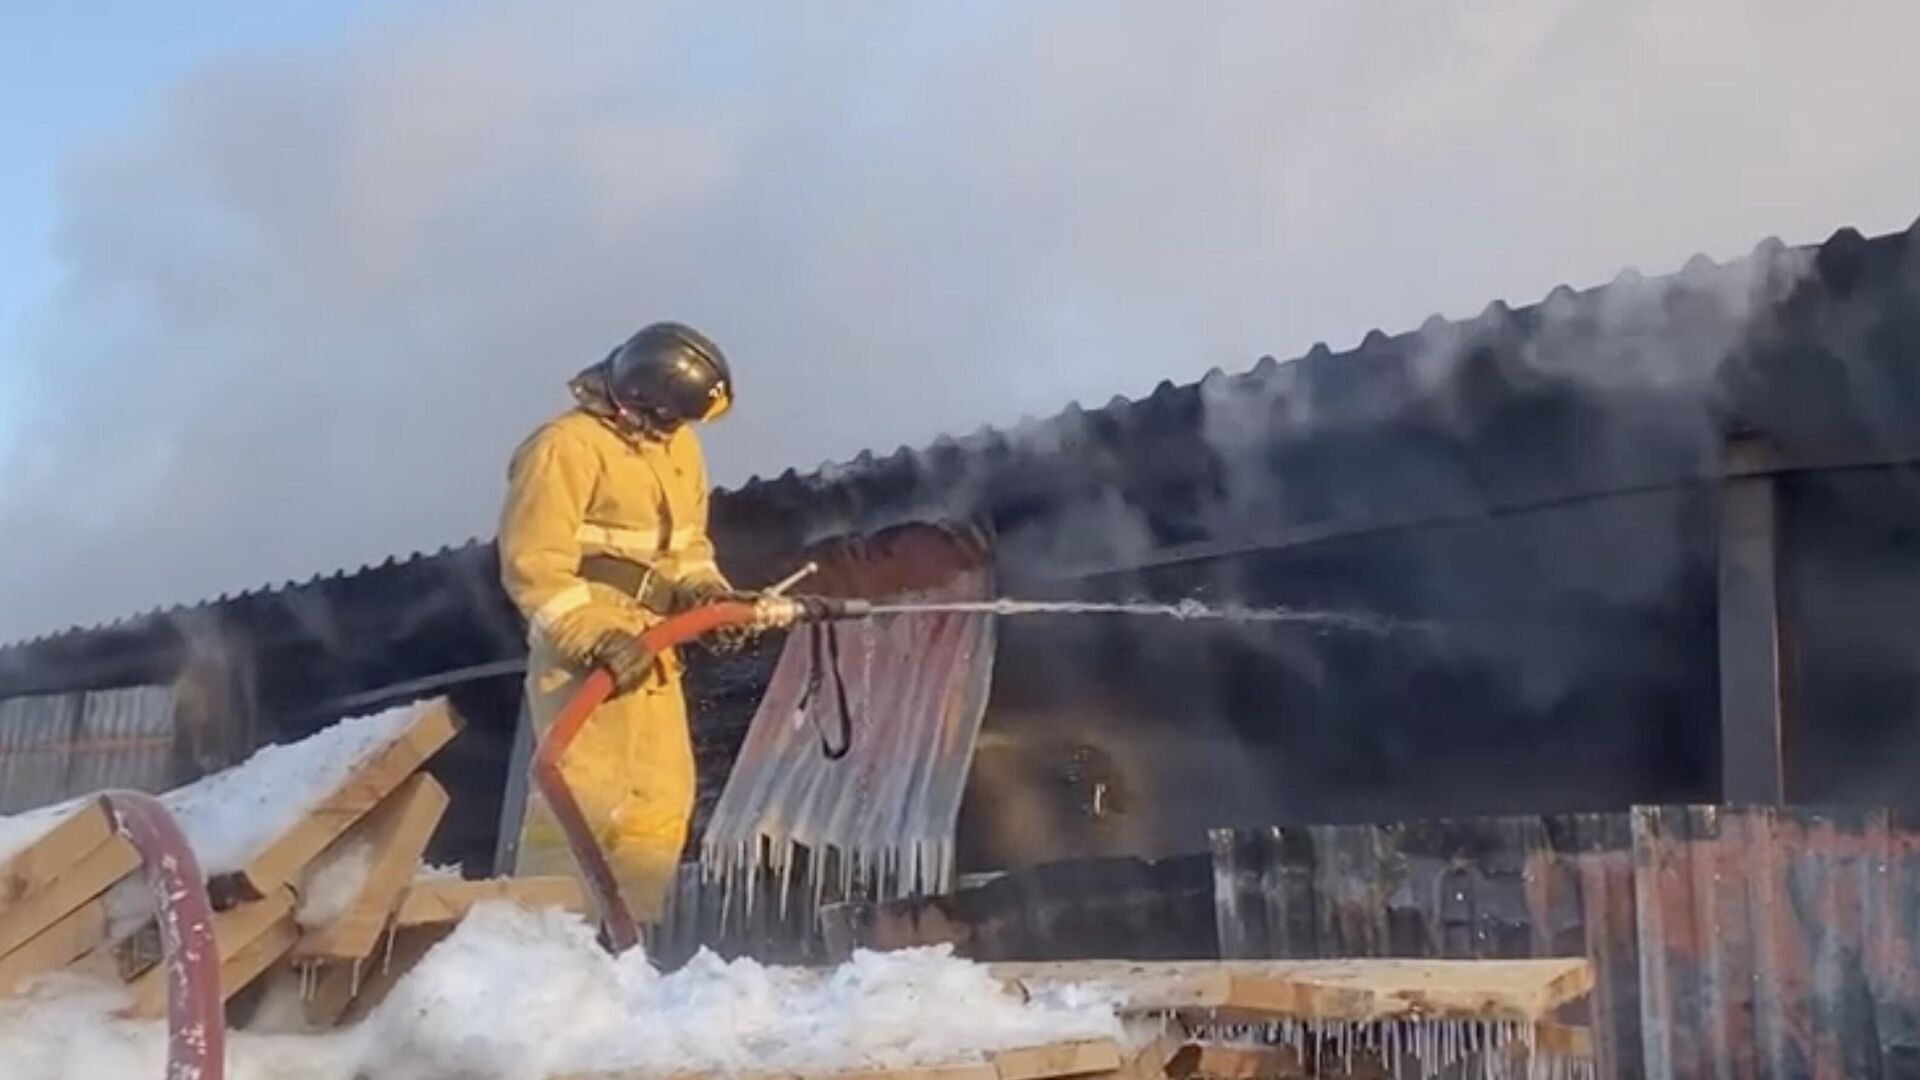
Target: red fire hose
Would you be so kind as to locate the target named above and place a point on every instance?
(196, 1019)
(771, 610)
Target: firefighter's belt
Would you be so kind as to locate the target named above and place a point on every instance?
(636, 579)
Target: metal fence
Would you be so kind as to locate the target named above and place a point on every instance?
(61, 745)
(1726, 942)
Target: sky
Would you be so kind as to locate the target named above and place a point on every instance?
(281, 286)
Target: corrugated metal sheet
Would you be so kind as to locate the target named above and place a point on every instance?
(62, 745)
(1726, 942)
(881, 816)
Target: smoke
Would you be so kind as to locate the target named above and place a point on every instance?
(313, 300)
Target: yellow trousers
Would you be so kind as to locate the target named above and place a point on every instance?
(631, 769)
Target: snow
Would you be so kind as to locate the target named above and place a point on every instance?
(232, 815)
(333, 883)
(21, 829)
(572, 1008)
(65, 1032)
(518, 994)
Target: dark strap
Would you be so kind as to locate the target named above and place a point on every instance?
(823, 655)
(630, 577)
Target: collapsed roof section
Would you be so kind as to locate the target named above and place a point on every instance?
(1634, 383)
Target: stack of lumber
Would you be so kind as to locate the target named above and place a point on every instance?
(1373, 1018)
(318, 885)
(336, 896)
(1239, 1020)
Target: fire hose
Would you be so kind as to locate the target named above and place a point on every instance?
(771, 609)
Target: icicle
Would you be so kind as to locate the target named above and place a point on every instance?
(786, 882)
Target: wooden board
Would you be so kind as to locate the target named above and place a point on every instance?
(398, 831)
(234, 930)
(1057, 1059)
(430, 902)
(1217, 1061)
(254, 958)
(56, 875)
(371, 782)
(343, 992)
(972, 1071)
(70, 937)
(1151, 1061)
(1064, 1059)
(1357, 990)
(63, 844)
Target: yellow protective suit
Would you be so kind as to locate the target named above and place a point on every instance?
(581, 486)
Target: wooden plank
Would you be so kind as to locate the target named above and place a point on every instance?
(1151, 1061)
(1220, 1061)
(70, 937)
(1562, 1040)
(1753, 694)
(1355, 990)
(1057, 1059)
(62, 845)
(398, 832)
(370, 783)
(343, 992)
(1076, 1058)
(50, 883)
(431, 902)
(972, 1071)
(253, 959)
(234, 930)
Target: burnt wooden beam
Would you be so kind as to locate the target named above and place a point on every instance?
(1753, 767)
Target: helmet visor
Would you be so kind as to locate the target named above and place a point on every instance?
(719, 402)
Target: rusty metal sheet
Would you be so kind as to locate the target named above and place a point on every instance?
(880, 820)
(58, 746)
(1726, 942)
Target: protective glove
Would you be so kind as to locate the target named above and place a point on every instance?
(702, 591)
(622, 656)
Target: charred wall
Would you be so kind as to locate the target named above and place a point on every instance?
(1528, 495)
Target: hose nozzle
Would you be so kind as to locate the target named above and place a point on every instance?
(778, 611)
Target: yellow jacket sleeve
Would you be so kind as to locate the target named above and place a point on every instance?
(548, 484)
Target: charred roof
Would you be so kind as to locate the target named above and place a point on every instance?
(1630, 383)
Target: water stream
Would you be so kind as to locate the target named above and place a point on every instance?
(1185, 610)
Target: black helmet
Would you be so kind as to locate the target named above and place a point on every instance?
(668, 374)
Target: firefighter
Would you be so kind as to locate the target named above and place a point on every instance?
(603, 534)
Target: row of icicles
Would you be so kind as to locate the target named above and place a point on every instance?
(1422, 1049)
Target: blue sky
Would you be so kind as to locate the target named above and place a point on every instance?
(73, 73)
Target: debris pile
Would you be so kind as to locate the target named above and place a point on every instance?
(342, 957)
(313, 856)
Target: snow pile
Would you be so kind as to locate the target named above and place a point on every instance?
(333, 883)
(518, 993)
(234, 814)
(515, 994)
(231, 816)
(65, 1031)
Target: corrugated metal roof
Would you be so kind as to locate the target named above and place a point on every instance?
(916, 689)
(1322, 390)
(1726, 942)
(59, 746)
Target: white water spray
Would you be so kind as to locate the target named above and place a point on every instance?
(1185, 610)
